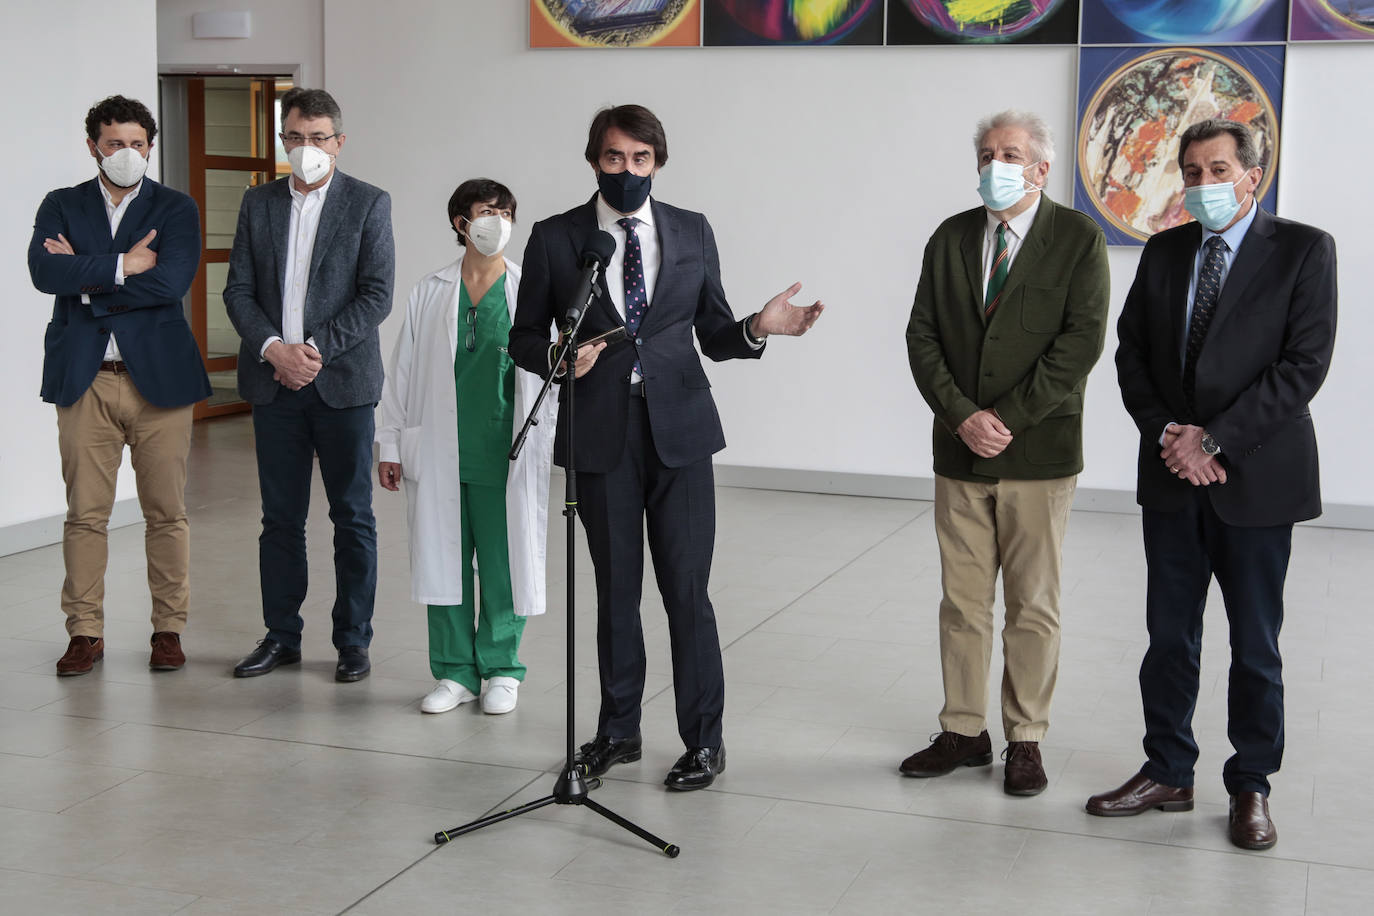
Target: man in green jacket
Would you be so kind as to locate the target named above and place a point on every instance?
(1009, 318)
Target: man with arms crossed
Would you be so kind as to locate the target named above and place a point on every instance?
(1009, 318)
(310, 279)
(119, 252)
(1225, 337)
(646, 426)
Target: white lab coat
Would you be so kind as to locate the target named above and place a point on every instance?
(419, 429)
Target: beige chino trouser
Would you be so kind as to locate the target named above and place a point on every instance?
(91, 435)
(1017, 525)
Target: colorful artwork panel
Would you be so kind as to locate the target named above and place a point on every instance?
(1133, 106)
(614, 23)
(926, 22)
(1333, 20)
(1121, 22)
(792, 22)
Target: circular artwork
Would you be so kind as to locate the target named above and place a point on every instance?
(1182, 20)
(799, 21)
(983, 20)
(1357, 13)
(614, 23)
(1128, 140)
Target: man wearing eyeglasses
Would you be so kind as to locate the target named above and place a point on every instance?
(310, 281)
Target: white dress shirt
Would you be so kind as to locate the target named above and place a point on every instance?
(1017, 227)
(116, 216)
(300, 246)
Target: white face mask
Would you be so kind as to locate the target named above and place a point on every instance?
(309, 163)
(125, 168)
(488, 234)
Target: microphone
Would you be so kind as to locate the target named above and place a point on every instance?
(596, 251)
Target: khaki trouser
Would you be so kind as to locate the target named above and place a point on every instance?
(91, 435)
(1018, 525)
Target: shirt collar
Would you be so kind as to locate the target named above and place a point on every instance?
(1236, 234)
(606, 215)
(322, 190)
(1019, 224)
(129, 196)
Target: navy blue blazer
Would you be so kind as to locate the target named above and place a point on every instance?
(145, 314)
(1266, 353)
(687, 297)
(352, 269)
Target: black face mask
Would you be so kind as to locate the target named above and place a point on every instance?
(624, 191)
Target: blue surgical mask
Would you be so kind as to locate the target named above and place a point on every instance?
(1002, 184)
(1213, 205)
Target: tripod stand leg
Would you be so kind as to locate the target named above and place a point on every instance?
(443, 836)
(668, 849)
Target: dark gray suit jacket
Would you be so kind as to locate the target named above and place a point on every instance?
(349, 290)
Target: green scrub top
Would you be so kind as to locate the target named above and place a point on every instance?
(485, 382)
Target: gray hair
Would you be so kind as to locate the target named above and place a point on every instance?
(312, 103)
(1041, 140)
(1247, 151)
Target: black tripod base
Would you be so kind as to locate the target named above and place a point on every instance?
(571, 789)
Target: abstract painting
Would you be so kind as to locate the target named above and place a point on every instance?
(792, 22)
(926, 22)
(614, 23)
(1333, 20)
(1133, 107)
(1120, 22)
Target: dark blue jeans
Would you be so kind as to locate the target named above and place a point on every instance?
(1183, 550)
(290, 432)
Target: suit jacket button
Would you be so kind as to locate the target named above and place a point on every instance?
(639, 341)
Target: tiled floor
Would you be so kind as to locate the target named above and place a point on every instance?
(190, 792)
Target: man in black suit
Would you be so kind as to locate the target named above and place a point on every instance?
(1225, 337)
(646, 426)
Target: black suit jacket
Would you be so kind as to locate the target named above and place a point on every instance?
(145, 314)
(1266, 353)
(687, 297)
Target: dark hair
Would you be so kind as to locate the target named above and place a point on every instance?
(635, 120)
(478, 191)
(312, 103)
(119, 110)
(1247, 152)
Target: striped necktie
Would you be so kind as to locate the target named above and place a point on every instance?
(997, 277)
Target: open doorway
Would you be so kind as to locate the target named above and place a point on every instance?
(219, 140)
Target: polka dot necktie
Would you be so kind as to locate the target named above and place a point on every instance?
(997, 276)
(635, 299)
(1204, 306)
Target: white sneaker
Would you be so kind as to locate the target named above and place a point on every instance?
(500, 696)
(446, 695)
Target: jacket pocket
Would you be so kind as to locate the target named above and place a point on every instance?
(410, 452)
(1042, 308)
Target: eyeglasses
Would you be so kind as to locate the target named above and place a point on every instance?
(294, 140)
(472, 328)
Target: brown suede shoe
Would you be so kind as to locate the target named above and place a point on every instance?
(1025, 772)
(947, 751)
(167, 654)
(1249, 823)
(82, 652)
(1139, 794)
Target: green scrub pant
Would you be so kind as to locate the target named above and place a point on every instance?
(459, 648)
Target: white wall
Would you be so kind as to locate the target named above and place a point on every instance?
(118, 56)
(287, 34)
(828, 165)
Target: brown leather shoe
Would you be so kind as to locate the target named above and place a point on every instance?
(1139, 794)
(1249, 823)
(1025, 772)
(167, 654)
(82, 652)
(947, 751)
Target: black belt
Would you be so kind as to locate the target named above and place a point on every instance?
(637, 389)
(113, 365)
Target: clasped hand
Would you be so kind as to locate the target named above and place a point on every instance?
(1184, 457)
(296, 365)
(985, 434)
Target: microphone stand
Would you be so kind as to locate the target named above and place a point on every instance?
(571, 787)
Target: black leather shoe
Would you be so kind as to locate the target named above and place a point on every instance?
(696, 769)
(603, 752)
(268, 655)
(353, 664)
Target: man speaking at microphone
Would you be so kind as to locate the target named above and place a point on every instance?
(646, 425)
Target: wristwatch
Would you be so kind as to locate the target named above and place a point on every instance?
(1210, 446)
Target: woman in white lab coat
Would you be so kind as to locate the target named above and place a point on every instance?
(452, 405)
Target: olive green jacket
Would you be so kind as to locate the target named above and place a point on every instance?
(1030, 360)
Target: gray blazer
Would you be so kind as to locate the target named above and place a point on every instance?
(352, 269)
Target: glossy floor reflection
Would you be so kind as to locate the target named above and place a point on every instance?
(127, 791)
